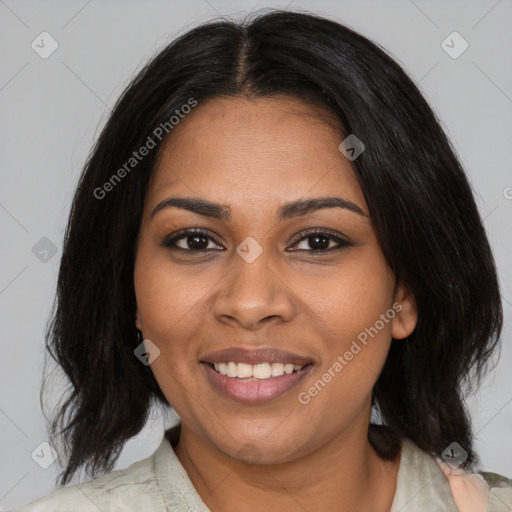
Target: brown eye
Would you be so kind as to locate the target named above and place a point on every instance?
(191, 240)
(321, 241)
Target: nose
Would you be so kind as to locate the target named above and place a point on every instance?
(253, 295)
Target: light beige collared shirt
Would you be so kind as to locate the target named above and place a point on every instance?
(160, 483)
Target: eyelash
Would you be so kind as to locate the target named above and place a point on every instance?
(170, 240)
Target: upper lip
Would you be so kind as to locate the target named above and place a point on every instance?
(255, 356)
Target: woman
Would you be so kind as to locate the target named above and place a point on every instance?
(274, 236)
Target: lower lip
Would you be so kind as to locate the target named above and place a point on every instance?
(255, 391)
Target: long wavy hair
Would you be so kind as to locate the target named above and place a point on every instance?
(420, 203)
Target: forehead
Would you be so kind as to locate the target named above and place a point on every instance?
(246, 151)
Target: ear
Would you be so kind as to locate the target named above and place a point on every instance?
(138, 320)
(406, 316)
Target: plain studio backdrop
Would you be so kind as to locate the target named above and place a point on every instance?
(55, 96)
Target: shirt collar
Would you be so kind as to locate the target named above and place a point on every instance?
(421, 485)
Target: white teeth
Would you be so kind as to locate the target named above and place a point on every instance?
(258, 371)
(261, 371)
(277, 369)
(288, 368)
(244, 370)
(223, 368)
(232, 369)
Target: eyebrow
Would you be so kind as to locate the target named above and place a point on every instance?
(286, 211)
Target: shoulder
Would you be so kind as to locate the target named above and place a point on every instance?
(491, 491)
(500, 492)
(425, 482)
(496, 480)
(136, 486)
(158, 483)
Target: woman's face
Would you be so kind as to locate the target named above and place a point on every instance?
(266, 282)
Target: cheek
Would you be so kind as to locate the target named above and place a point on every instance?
(349, 299)
(168, 298)
(165, 302)
(172, 305)
(353, 309)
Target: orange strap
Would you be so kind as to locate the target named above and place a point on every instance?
(470, 490)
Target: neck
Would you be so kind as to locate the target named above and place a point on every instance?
(344, 474)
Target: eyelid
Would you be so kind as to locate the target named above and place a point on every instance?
(172, 238)
(338, 238)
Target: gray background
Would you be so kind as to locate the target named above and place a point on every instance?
(52, 110)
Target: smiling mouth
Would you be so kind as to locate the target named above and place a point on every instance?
(255, 372)
(259, 388)
(255, 375)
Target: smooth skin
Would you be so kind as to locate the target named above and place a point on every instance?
(307, 297)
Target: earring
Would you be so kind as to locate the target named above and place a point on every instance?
(139, 336)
